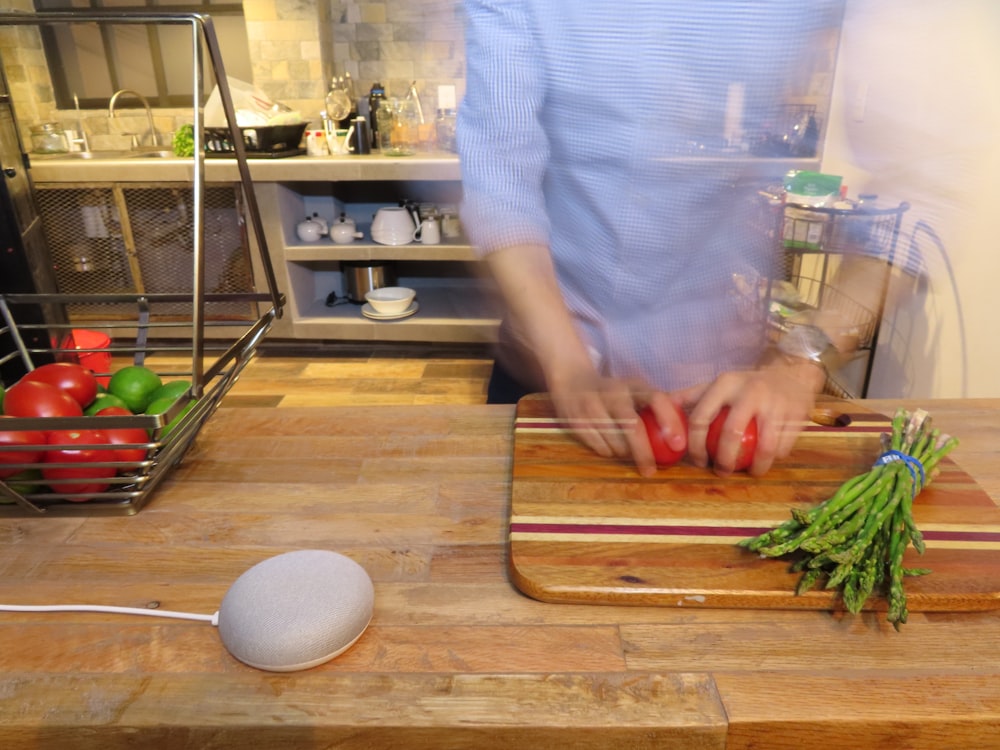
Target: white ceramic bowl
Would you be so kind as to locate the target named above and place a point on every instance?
(390, 300)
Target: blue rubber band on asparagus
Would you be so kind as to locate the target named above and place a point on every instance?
(911, 463)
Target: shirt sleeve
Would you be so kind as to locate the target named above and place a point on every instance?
(502, 146)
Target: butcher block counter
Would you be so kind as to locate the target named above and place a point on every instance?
(455, 656)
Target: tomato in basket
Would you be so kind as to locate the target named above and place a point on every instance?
(31, 398)
(11, 460)
(85, 476)
(72, 379)
(124, 436)
(102, 402)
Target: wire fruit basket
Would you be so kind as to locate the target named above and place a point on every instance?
(207, 356)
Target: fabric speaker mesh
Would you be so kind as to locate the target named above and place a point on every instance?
(296, 610)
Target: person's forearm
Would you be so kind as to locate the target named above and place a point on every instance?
(537, 311)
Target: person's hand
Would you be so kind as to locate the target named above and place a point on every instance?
(779, 396)
(602, 414)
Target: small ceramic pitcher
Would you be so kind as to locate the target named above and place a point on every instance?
(429, 232)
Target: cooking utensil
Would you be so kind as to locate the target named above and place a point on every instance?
(338, 105)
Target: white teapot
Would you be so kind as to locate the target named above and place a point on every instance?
(309, 230)
(344, 231)
(393, 225)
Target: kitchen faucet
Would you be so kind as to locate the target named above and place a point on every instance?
(154, 138)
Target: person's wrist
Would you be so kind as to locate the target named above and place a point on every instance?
(809, 372)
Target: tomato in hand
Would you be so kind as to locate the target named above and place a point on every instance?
(748, 443)
(124, 436)
(11, 460)
(31, 398)
(662, 452)
(85, 476)
(74, 380)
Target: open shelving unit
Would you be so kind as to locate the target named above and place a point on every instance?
(457, 301)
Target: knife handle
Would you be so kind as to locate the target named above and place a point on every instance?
(829, 417)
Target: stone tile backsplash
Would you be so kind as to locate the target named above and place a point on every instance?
(296, 46)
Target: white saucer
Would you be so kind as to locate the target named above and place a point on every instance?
(369, 312)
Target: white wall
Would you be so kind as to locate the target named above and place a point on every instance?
(916, 117)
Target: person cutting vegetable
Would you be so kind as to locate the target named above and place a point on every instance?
(614, 248)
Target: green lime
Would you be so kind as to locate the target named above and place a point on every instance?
(24, 482)
(135, 386)
(103, 401)
(162, 405)
(170, 390)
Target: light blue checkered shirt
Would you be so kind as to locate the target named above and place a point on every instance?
(578, 128)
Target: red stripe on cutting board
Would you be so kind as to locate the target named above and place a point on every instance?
(855, 426)
(573, 529)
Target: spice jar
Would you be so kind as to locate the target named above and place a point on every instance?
(46, 139)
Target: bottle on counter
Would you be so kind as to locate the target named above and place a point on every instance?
(444, 128)
(352, 94)
(444, 124)
(385, 119)
(375, 97)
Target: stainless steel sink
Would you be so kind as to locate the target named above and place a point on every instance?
(95, 155)
(103, 155)
(155, 154)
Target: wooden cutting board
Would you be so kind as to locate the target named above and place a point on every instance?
(589, 530)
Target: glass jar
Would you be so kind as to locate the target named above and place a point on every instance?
(445, 130)
(405, 131)
(46, 139)
(385, 116)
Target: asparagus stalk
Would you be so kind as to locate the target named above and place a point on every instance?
(857, 538)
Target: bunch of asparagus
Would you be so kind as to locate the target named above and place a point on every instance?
(856, 539)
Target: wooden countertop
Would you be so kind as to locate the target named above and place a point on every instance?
(455, 656)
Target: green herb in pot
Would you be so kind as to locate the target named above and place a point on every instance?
(184, 141)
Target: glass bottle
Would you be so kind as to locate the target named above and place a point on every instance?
(352, 94)
(385, 119)
(444, 127)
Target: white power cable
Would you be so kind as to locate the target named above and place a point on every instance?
(213, 618)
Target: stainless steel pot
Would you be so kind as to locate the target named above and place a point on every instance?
(361, 276)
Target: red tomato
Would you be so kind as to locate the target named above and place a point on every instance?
(75, 380)
(29, 398)
(662, 452)
(124, 435)
(10, 460)
(748, 443)
(88, 478)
